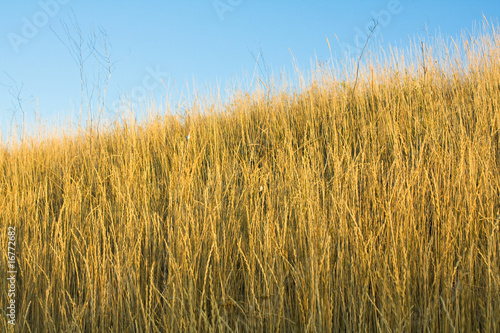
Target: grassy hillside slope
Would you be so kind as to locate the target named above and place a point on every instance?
(336, 209)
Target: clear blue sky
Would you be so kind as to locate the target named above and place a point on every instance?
(207, 42)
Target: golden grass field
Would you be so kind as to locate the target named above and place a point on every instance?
(354, 207)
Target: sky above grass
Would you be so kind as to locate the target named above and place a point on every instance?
(166, 48)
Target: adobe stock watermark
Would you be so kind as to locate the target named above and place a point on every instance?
(383, 17)
(11, 275)
(31, 26)
(150, 82)
(223, 6)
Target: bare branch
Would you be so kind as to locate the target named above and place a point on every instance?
(15, 91)
(372, 30)
(95, 48)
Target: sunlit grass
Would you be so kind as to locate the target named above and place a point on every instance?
(335, 209)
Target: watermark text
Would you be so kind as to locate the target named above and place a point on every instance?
(223, 6)
(31, 26)
(11, 275)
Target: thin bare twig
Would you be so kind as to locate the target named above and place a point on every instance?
(361, 54)
(15, 91)
(81, 49)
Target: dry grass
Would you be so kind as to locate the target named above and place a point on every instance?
(331, 210)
